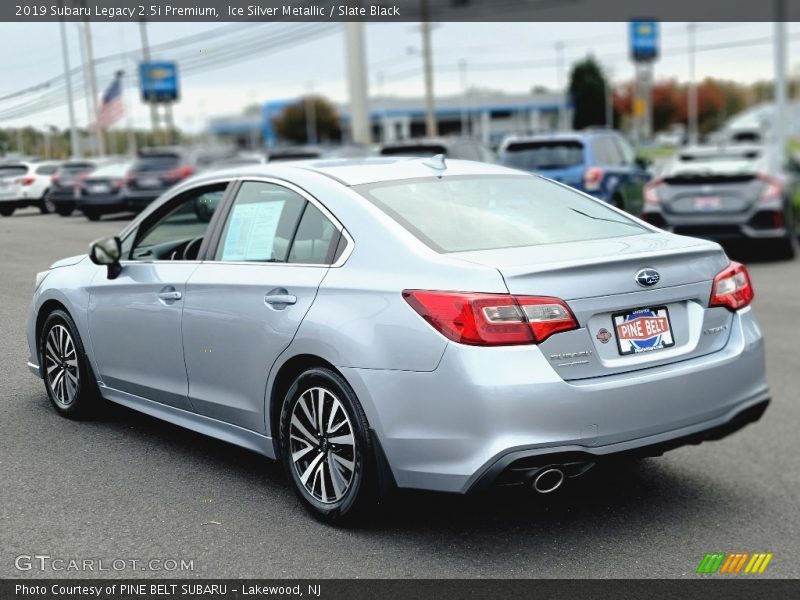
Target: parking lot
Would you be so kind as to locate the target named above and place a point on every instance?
(126, 486)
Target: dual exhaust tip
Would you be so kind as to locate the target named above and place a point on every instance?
(548, 480)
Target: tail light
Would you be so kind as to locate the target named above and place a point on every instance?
(650, 194)
(773, 189)
(128, 179)
(732, 288)
(592, 178)
(54, 179)
(117, 183)
(492, 319)
(26, 180)
(80, 180)
(179, 173)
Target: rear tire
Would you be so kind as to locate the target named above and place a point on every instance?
(782, 249)
(49, 205)
(92, 215)
(64, 211)
(7, 211)
(42, 207)
(68, 378)
(326, 448)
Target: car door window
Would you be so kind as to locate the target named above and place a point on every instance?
(177, 232)
(271, 223)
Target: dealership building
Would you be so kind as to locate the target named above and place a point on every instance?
(485, 115)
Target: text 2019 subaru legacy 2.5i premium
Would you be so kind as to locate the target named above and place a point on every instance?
(404, 321)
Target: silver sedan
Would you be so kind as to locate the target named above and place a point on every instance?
(404, 322)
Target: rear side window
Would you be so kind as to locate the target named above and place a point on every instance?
(551, 154)
(456, 214)
(270, 223)
(74, 168)
(13, 170)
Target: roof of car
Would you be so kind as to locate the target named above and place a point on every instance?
(361, 171)
(556, 136)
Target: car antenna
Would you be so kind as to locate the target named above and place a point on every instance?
(435, 162)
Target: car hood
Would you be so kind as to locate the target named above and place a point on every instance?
(70, 260)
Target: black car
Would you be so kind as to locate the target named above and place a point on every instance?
(63, 193)
(102, 191)
(154, 172)
(455, 147)
(727, 194)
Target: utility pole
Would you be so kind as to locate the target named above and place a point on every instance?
(431, 129)
(146, 58)
(98, 132)
(562, 93)
(74, 147)
(357, 82)
(609, 99)
(692, 92)
(779, 122)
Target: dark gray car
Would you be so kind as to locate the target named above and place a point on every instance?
(727, 193)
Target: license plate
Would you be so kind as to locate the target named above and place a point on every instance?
(643, 330)
(707, 203)
(97, 188)
(149, 182)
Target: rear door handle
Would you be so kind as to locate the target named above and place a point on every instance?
(280, 299)
(170, 295)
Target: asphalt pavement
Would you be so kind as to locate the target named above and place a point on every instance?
(128, 487)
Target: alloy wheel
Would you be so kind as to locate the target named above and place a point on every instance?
(61, 365)
(322, 444)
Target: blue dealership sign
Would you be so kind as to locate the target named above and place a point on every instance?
(158, 81)
(644, 40)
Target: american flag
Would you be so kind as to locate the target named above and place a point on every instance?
(112, 109)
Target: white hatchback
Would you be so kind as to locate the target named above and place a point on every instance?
(25, 184)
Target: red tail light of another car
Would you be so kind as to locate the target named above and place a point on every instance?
(492, 319)
(650, 194)
(178, 173)
(26, 180)
(732, 288)
(592, 179)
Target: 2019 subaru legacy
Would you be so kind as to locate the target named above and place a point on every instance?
(421, 323)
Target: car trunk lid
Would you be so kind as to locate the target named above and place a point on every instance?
(598, 280)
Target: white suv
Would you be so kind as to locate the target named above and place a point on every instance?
(24, 184)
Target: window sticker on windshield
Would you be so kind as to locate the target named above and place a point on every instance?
(251, 232)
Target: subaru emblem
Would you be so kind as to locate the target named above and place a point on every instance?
(647, 277)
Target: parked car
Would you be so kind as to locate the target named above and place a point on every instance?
(444, 325)
(726, 193)
(24, 184)
(62, 196)
(450, 147)
(102, 191)
(599, 162)
(153, 172)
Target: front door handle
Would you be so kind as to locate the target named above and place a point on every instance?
(280, 298)
(170, 295)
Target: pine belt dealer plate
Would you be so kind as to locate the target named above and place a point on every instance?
(643, 330)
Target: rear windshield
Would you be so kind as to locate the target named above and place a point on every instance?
(46, 169)
(116, 170)
(458, 214)
(157, 162)
(533, 156)
(73, 168)
(13, 170)
(414, 150)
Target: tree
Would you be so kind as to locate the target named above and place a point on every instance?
(291, 124)
(587, 88)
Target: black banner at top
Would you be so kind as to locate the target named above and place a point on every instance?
(398, 10)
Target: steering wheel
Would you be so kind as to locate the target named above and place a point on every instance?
(191, 249)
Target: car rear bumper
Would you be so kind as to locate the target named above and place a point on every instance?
(20, 202)
(138, 199)
(449, 429)
(103, 202)
(756, 225)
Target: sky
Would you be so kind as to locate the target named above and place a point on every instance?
(511, 57)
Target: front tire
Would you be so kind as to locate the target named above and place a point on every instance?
(6, 211)
(68, 378)
(326, 448)
(92, 215)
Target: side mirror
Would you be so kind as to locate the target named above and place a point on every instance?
(107, 251)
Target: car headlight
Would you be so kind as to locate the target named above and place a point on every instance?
(40, 278)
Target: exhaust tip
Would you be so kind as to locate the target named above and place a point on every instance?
(548, 480)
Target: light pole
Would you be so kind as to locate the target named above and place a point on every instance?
(778, 132)
(357, 82)
(609, 98)
(462, 71)
(562, 96)
(74, 146)
(691, 96)
(431, 129)
(87, 33)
